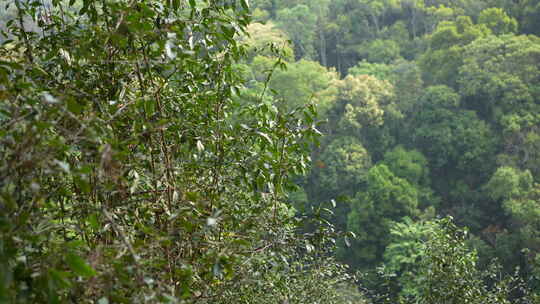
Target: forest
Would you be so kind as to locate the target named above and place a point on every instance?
(270, 151)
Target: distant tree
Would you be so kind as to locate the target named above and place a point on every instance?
(413, 167)
(363, 101)
(518, 193)
(498, 79)
(385, 199)
(530, 12)
(380, 51)
(443, 58)
(498, 21)
(403, 255)
(342, 168)
(260, 36)
(410, 165)
(380, 71)
(339, 171)
(404, 75)
(129, 171)
(451, 138)
(300, 23)
(300, 83)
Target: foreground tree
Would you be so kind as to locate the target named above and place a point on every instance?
(129, 175)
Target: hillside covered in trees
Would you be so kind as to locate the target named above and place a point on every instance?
(431, 108)
(270, 151)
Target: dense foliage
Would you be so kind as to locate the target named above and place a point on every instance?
(171, 151)
(130, 174)
(434, 113)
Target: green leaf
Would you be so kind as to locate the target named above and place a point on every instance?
(60, 277)
(176, 4)
(82, 184)
(244, 4)
(74, 106)
(93, 221)
(192, 196)
(79, 266)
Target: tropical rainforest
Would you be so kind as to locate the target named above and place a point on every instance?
(270, 151)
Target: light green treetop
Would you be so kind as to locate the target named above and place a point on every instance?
(498, 21)
(365, 100)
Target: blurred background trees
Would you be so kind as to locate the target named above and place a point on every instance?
(434, 113)
(131, 171)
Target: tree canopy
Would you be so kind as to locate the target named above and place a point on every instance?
(270, 151)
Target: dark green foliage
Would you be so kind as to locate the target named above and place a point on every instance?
(129, 174)
(410, 165)
(451, 138)
(405, 251)
(386, 199)
(462, 104)
(147, 152)
(443, 58)
(343, 165)
(450, 275)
